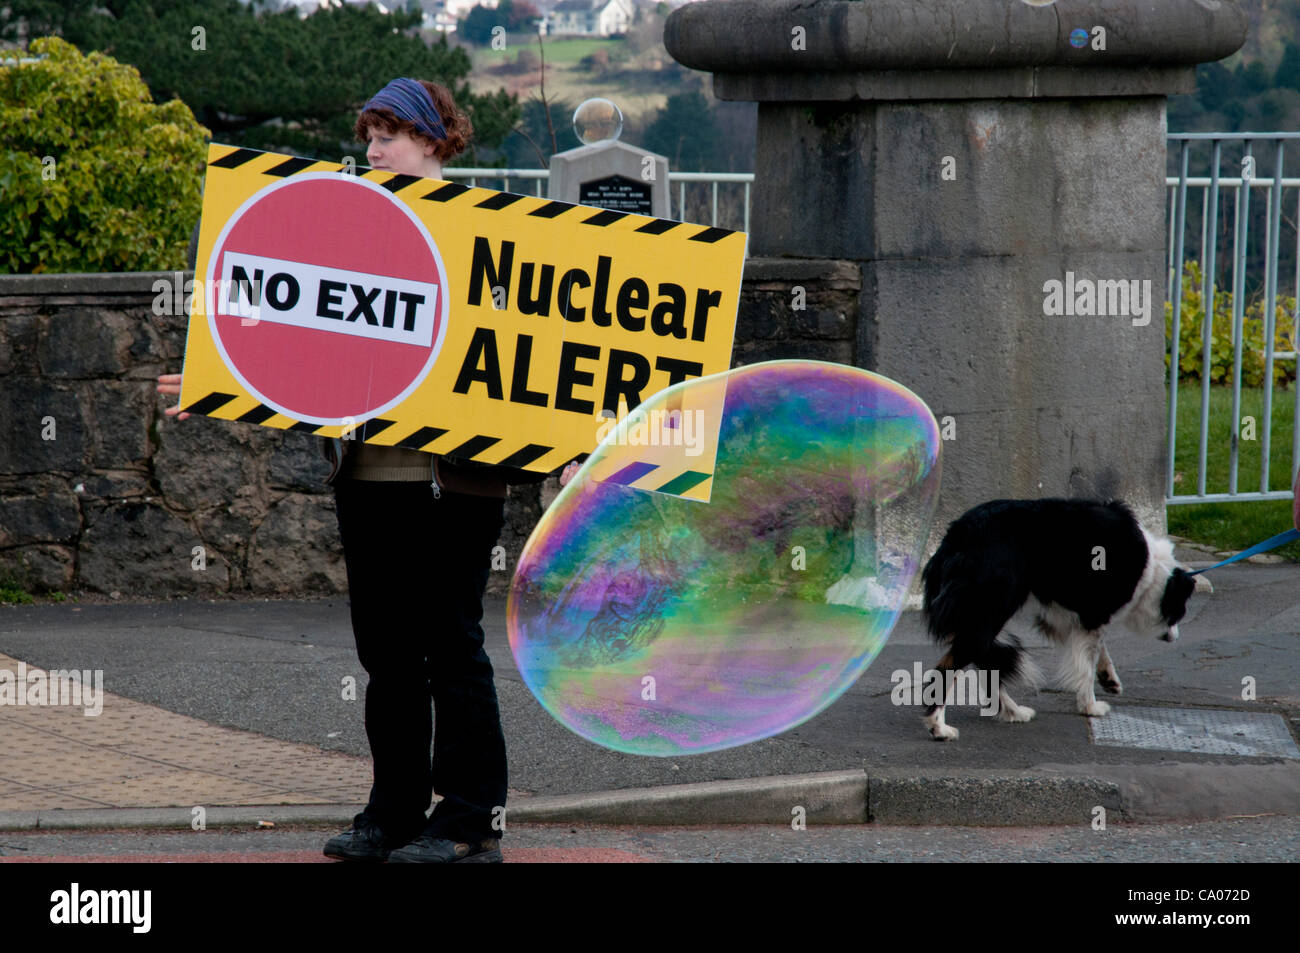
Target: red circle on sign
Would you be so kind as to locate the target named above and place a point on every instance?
(321, 373)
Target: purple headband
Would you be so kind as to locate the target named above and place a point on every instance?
(409, 100)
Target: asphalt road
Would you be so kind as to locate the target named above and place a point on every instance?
(1242, 840)
(276, 668)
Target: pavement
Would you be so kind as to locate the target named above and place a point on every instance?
(239, 713)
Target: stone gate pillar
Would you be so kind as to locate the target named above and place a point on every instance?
(993, 171)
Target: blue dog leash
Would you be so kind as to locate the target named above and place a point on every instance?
(1272, 543)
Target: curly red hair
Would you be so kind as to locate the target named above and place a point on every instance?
(459, 128)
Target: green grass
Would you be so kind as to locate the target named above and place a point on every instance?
(639, 93)
(571, 51)
(1232, 526)
(12, 593)
(558, 52)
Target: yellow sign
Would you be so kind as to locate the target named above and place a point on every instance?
(478, 324)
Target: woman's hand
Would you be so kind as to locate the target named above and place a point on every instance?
(568, 473)
(171, 384)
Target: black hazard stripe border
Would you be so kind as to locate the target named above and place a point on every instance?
(470, 446)
(643, 474)
(489, 200)
(638, 472)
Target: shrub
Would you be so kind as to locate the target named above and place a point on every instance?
(93, 175)
(1191, 329)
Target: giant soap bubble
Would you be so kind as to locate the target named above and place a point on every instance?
(655, 611)
(596, 120)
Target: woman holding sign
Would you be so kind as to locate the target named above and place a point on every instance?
(418, 533)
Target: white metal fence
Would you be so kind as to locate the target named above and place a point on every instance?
(724, 199)
(703, 193)
(1215, 190)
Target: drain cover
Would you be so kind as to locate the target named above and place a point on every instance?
(1205, 731)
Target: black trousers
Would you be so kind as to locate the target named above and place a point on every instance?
(417, 568)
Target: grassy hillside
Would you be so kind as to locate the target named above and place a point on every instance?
(639, 82)
(1272, 24)
(1256, 88)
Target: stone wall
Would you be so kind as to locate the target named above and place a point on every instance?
(100, 491)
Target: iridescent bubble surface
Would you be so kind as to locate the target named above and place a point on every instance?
(654, 623)
(1078, 38)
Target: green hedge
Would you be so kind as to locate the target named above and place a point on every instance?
(94, 176)
(1191, 330)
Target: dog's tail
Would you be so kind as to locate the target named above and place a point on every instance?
(1012, 663)
(969, 590)
(948, 579)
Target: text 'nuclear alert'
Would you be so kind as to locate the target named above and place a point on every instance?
(329, 299)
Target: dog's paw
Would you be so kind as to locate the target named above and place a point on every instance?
(1095, 710)
(1022, 713)
(1111, 684)
(944, 733)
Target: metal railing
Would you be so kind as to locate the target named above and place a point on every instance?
(1213, 190)
(1240, 187)
(539, 176)
(681, 179)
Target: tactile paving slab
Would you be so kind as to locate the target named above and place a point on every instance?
(137, 755)
(1202, 730)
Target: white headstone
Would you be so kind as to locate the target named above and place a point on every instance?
(612, 175)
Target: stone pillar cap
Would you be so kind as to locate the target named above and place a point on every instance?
(755, 36)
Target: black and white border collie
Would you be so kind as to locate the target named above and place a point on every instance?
(1068, 567)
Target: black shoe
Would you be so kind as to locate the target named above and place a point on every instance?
(362, 841)
(427, 849)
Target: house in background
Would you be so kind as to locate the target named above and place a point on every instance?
(590, 18)
(439, 15)
(306, 8)
(442, 14)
